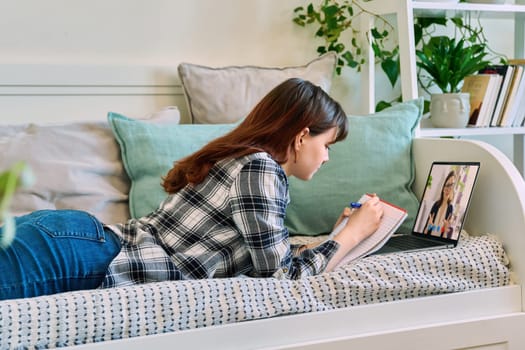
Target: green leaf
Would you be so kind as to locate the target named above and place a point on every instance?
(376, 49)
(418, 34)
(8, 230)
(378, 35)
(426, 106)
(382, 105)
(330, 11)
(426, 22)
(299, 22)
(310, 9)
(19, 175)
(458, 21)
(391, 69)
(350, 60)
(375, 33)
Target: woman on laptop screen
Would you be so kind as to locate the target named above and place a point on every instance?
(441, 212)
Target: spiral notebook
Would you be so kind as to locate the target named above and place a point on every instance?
(393, 217)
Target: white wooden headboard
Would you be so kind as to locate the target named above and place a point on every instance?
(59, 93)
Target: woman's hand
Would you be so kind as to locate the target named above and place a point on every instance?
(361, 223)
(365, 220)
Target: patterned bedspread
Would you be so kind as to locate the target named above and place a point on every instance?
(104, 314)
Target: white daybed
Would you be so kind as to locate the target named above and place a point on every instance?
(480, 319)
(487, 318)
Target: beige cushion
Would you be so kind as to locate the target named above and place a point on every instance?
(76, 166)
(227, 94)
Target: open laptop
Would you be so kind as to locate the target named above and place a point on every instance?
(442, 210)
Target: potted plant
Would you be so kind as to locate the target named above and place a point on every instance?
(445, 63)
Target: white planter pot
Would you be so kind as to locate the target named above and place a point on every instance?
(450, 110)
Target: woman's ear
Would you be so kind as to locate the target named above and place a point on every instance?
(299, 138)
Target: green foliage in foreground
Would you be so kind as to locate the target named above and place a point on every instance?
(19, 175)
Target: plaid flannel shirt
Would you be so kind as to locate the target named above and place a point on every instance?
(231, 224)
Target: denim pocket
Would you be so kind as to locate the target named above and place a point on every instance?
(70, 223)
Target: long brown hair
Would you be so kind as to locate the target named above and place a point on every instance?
(270, 127)
(451, 174)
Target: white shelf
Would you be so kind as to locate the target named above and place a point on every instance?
(438, 132)
(428, 130)
(422, 9)
(405, 11)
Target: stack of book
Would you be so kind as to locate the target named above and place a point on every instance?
(497, 95)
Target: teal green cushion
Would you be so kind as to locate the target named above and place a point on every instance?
(149, 150)
(376, 157)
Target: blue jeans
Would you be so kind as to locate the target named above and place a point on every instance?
(56, 251)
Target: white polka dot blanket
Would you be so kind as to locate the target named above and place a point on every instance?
(105, 314)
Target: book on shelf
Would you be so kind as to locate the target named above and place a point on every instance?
(483, 90)
(520, 112)
(493, 98)
(393, 217)
(517, 88)
(506, 72)
(516, 61)
(519, 105)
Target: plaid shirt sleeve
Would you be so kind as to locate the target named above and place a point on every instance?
(259, 197)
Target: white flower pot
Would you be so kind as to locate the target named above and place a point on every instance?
(450, 110)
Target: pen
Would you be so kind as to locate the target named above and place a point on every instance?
(355, 205)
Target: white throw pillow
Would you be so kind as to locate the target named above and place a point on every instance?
(227, 94)
(76, 165)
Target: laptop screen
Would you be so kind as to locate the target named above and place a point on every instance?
(445, 200)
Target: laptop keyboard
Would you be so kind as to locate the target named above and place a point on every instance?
(411, 242)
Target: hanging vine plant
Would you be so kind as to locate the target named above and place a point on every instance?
(334, 18)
